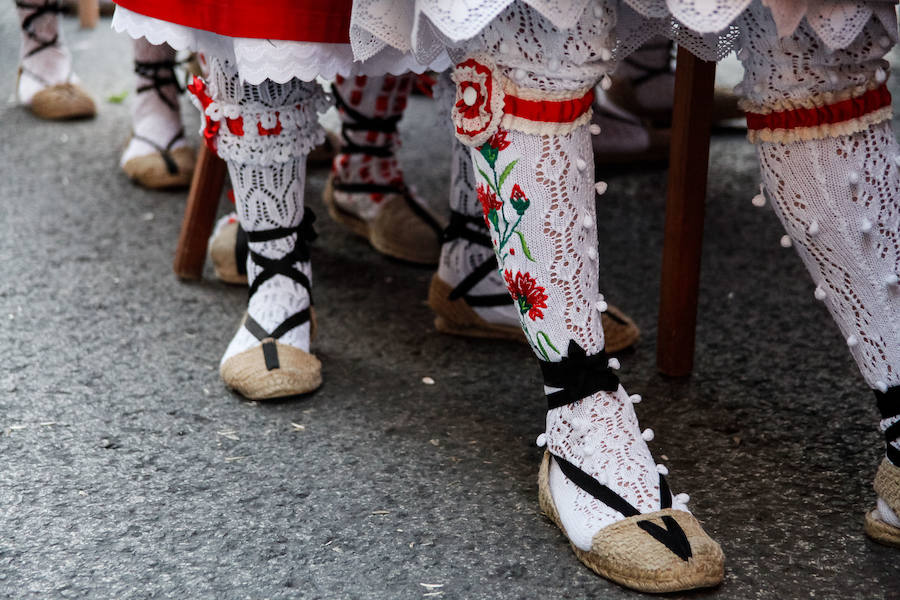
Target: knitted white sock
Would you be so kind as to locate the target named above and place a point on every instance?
(369, 109)
(44, 58)
(834, 183)
(836, 188)
(264, 133)
(539, 188)
(155, 112)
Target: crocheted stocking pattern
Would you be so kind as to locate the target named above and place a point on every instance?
(367, 156)
(838, 196)
(268, 172)
(155, 112)
(45, 60)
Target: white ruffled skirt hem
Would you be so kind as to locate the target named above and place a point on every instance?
(277, 60)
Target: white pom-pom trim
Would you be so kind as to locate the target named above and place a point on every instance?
(647, 434)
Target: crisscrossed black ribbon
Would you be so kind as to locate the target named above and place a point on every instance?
(578, 375)
(889, 407)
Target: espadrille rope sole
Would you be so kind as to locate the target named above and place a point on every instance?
(247, 373)
(880, 531)
(887, 486)
(61, 102)
(456, 317)
(397, 231)
(153, 172)
(624, 552)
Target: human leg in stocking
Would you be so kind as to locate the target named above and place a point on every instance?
(366, 192)
(46, 82)
(264, 133)
(525, 111)
(158, 155)
(831, 164)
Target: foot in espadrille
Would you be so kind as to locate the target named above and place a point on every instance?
(883, 522)
(46, 83)
(366, 192)
(269, 355)
(158, 155)
(599, 482)
(468, 294)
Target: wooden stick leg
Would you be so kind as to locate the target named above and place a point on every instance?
(199, 214)
(88, 13)
(683, 241)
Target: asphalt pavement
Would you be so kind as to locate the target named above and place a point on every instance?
(127, 470)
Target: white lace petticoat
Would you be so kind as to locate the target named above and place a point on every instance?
(705, 27)
(276, 60)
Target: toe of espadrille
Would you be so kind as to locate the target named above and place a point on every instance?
(881, 532)
(150, 171)
(887, 486)
(664, 551)
(63, 101)
(298, 372)
(222, 256)
(399, 232)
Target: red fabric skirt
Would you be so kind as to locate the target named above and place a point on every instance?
(323, 21)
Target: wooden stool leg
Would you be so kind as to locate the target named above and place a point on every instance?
(199, 214)
(683, 241)
(88, 13)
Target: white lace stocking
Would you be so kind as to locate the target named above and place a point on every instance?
(50, 66)
(374, 98)
(838, 196)
(264, 133)
(152, 117)
(268, 197)
(542, 219)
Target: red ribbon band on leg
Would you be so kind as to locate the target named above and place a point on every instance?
(845, 110)
(548, 111)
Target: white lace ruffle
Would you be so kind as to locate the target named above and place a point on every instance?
(705, 27)
(276, 60)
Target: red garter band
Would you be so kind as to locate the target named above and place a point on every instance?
(845, 110)
(548, 111)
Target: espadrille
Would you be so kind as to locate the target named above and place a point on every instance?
(61, 102)
(272, 370)
(887, 487)
(163, 169)
(455, 316)
(454, 306)
(663, 551)
(401, 229)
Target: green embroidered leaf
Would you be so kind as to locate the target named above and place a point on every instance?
(541, 346)
(506, 173)
(525, 248)
(546, 337)
(486, 178)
